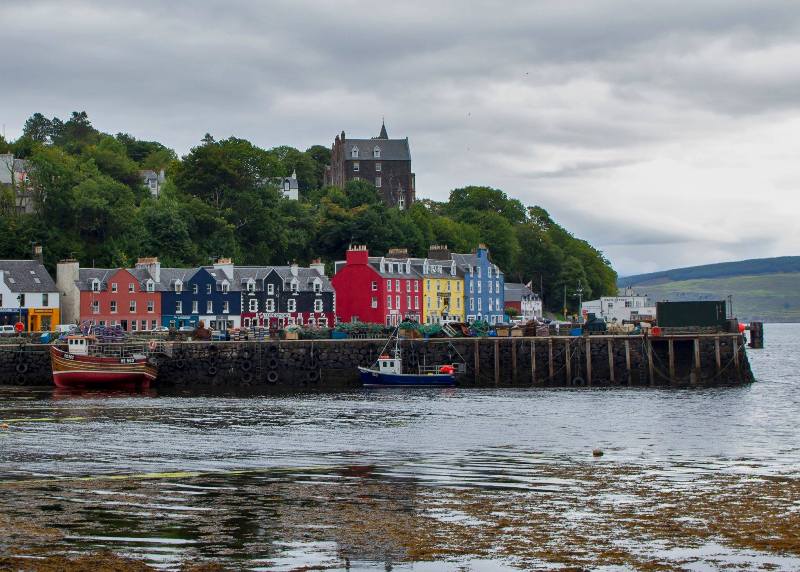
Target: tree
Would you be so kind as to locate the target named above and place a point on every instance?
(38, 128)
(321, 158)
(111, 158)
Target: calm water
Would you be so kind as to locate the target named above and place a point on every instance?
(428, 439)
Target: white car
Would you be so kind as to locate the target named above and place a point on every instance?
(7, 331)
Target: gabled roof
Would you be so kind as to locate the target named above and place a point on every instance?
(418, 265)
(170, 276)
(391, 149)
(26, 276)
(465, 261)
(305, 278)
(375, 263)
(220, 276)
(87, 275)
(515, 291)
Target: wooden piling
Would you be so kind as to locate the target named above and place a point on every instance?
(533, 362)
(611, 362)
(550, 358)
(588, 360)
(650, 362)
(628, 360)
(718, 354)
(697, 370)
(513, 360)
(497, 362)
(756, 335)
(671, 350)
(735, 341)
(568, 358)
(477, 359)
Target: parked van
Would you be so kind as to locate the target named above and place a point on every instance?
(7, 331)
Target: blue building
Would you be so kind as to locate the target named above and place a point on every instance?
(484, 286)
(209, 293)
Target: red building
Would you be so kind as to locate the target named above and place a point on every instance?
(378, 290)
(128, 298)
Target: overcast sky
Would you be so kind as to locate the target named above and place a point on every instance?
(666, 133)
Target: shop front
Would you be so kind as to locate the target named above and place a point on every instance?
(42, 319)
(10, 316)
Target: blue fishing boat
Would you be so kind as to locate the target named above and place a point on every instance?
(388, 371)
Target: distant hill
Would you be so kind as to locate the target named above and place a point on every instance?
(766, 289)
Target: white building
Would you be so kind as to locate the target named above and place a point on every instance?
(627, 306)
(289, 187)
(525, 301)
(28, 294)
(153, 181)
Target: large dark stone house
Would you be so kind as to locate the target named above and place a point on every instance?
(384, 162)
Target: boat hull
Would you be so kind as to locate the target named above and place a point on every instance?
(371, 377)
(88, 371)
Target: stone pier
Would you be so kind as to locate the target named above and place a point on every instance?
(556, 361)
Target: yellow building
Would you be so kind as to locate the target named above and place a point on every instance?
(442, 290)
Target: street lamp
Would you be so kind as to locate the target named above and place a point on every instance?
(579, 294)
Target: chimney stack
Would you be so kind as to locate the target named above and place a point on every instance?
(226, 265)
(152, 265)
(358, 254)
(439, 252)
(38, 255)
(401, 253)
(318, 265)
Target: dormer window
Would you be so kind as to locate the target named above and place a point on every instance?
(225, 287)
(354, 153)
(317, 286)
(95, 285)
(178, 288)
(150, 286)
(251, 286)
(293, 285)
(376, 152)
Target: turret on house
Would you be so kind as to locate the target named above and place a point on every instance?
(383, 162)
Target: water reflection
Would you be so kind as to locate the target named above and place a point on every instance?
(366, 478)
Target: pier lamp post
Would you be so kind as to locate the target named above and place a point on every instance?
(579, 294)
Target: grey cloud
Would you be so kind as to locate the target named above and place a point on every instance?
(540, 98)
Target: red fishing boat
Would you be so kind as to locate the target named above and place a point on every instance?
(88, 363)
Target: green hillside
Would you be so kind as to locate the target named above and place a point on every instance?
(752, 267)
(766, 297)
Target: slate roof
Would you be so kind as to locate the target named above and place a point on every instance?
(417, 264)
(169, 276)
(391, 149)
(515, 291)
(244, 273)
(86, 275)
(305, 278)
(220, 275)
(375, 263)
(464, 261)
(22, 275)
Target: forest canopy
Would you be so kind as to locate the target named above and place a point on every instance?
(223, 199)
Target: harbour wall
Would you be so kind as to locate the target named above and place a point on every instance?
(327, 365)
